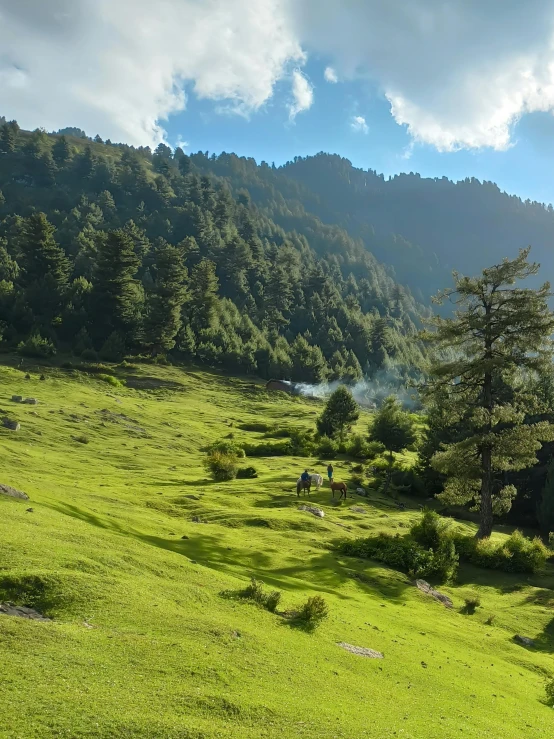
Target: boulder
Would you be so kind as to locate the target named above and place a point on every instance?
(9, 423)
(428, 590)
(17, 398)
(9, 609)
(31, 401)
(12, 492)
(312, 509)
(525, 641)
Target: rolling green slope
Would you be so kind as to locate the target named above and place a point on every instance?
(136, 557)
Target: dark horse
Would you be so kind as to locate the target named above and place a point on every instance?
(303, 485)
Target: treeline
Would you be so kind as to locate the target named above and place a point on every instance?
(107, 250)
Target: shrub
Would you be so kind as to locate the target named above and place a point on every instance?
(357, 447)
(110, 380)
(81, 439)
(221, 466)
(490, 620)
(549, 690)
(36, 346)
(113, 349)
(516, 554)
(247, 473)
(226, 446)
(327, 448)
(301, 443)
(472, 602)
(430, 530)
(273, 600)
(313, 612)
(256, 427)
(268, 450)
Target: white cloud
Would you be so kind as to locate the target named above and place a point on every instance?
(330, 75)
(302, 94)
(358, 124)
(457, 73)
(119, 67)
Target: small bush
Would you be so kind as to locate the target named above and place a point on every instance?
(327, 448)
(549, 690)
(36, 346)
(273, 600)
(430, 530)
(516, 554)
(260, 428)
(109, 379)
(490, 620)
(268, 450)
(247, 473)
(113, 349)
(222, 467)
(226, 446)
(82, 439)
(358, 447)
(313, 612)
(472, 603)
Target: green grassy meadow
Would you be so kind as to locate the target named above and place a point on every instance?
(146, 640)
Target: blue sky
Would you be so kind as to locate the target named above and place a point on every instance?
(442, 87)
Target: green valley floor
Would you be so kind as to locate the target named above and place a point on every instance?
(135, 556)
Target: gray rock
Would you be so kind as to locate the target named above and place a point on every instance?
(9, 423)
(9, 609)
(12, 492)
(361, 651)
(428, 590)
(525, 641)
(17, 398)
(31, 401)
(312, 509)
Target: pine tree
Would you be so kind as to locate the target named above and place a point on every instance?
(204, 287)
(340, 413)
(498, 332)
(308, 362)
(394, 429)
(8, 139)
(545, 513)
(61, 151)
(164, 304)
(115, 289)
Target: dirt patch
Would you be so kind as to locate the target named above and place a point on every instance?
(9, 609)
(361, 651)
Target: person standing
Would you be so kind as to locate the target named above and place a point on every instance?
(330, 472)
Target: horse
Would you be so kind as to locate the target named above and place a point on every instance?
(316, 480)
(341, 487)
(303, 485)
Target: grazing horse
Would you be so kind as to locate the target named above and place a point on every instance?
(316, 480)
(303, 485)
(341, 487)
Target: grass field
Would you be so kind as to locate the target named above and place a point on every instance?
(134, 554)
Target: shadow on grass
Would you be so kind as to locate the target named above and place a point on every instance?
(323, 572)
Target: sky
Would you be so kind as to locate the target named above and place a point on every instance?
(454, 88)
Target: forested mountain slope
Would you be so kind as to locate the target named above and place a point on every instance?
(110, 249)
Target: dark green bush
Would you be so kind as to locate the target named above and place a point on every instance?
(327, 448)
(273, 600)
(89, 355)
(256, 427)
(472, 603)
(268, 450)
(226, 446)
(247, 473)
(430, 530)
(358, 447)
(517, 553)
(36, 346)
(313, 612)
(221, 466)
(256, 593)
(549, 690)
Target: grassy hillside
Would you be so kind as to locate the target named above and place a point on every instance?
(136, 556)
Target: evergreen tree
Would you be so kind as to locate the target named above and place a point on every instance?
(339, 415)
(497, 332)
(8, 139)
(308, 362)
(394, 429)
(115, 289)
(61, 151)
(164, 304)
(204, 285)
(545, 513)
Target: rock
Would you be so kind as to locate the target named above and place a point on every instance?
(312, 509)
(185, 537)
(27, 376)
(361, 651)
(192, 497)
(361, 491)
(30, 510)
(428, 590)
(42, 377)
(9, 423)
(9, 609)
(12, 492)
(31, 401)
(17, 398)
(357, 509)
(525, 641)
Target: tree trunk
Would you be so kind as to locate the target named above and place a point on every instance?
(485, 525)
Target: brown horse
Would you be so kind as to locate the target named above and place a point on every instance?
(341, 487)
(303, 485)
